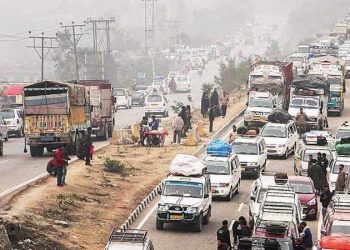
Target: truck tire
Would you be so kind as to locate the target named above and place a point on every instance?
(198, 224)
(1, 150)
(36, 151)
(40, 151)
(110, 130)
(159, 224)
(207, 217)
(104, 137)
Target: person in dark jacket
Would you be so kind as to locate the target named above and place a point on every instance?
(214, 99)
(245, 230)
(184, 117)
(187, 121)
(306, 235)
(316, 175)
(87, 145)
(237, 229)
(325, 198)
(324, 165)
(204, 104)
(311, 160)
(223, 236)
(211, 119)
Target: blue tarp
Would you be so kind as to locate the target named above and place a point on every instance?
(219, 148)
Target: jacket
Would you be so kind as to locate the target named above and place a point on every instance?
(307, 237)
(214, 99)
(316, 175)
(223, 235)
(178, 124)
(204, 104)
(59, 159)
(325, 198)
(224, 100)
(340, 183)
(301, 119)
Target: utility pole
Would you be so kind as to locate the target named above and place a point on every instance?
(76, 36)
(40, 44)
(149, 31)
(174, 31)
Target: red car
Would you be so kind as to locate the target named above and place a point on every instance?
(304, 187)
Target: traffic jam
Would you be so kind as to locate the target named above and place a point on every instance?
(291, 105)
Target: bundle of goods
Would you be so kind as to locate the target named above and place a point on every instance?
(309, 85)
(281, 178)
(187, 165)
(219, 148)
(279, 116)
(312, 138)
(343, 146)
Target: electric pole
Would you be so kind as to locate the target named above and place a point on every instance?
(40, 44)
(174, 31)
(149, 31)
(76, 36)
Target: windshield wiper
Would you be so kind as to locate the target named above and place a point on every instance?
(173, 194)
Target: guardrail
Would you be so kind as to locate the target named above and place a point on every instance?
(139, 209)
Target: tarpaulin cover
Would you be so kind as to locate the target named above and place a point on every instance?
(310, 82)
(338, 241)
(274, 86)
(187, 165)
(279, 116)
(219, 148)
(343, 149)
(242, 130)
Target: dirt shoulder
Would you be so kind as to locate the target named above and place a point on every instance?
(81, 214)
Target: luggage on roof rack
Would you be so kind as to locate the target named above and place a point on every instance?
(219, 148)
(312, 138)
(274, 229)
(342, 149)
(129, 235)
(187, 165)
(281, 178)
(279, 116)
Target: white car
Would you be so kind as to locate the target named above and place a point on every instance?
(280, 138)
(225, 175)
(160, 85)
(123, 98)
(3, 130)
(185, 199)
(183, 83)
(343, 131)
(197, 63)
(299, 63)
(252, 154)
(334, 169)
(156, 104)
(13, 119)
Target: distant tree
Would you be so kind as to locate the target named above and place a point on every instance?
(273, 51)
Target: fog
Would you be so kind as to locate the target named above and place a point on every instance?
(202, 20)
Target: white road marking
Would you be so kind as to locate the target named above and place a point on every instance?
(145, 219)
(240, 206)
(4, 161)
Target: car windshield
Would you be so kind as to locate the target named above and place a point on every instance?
(196, 60)
(303, 49)
(301, 188)
(296, 59)
(336, 167)
(279, 132)
(245, 148)
(218, 167)
(7, 113)
(340, 229)
(309, 103)
(265, 103)
(314, 152)
(181, 78)
(141, 87)
(136, 94)
(261, 195)
(157, 82)
(119, 92)
(183, 189)
(335, 81)
(154, 98)
(343, 133)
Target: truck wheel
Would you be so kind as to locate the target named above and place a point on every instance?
(110, 130)
(1, 150)
(237, 187)
(159, 224)
(40, 151)
(33, 151)
(229, 196)
(198, 224)
(207, 217)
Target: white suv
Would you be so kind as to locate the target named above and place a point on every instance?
(280, 138)
(13, 119)
(252, 154)
(156, 104)
(334, 169)
(225, 175)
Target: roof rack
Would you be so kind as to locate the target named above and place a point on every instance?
(128, 235)
(284, 187)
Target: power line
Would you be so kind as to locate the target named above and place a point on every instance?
(76, 36)
(41, 46)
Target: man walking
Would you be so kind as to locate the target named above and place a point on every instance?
(325, 198)
(341, 179)
(87, 145)
(177, 127)
(59, 162)
(214, 98)
(300, 120)
(316, 175)
(224, 100)
(211, 119)
(324, 165)
(223, 236)
(204, 104)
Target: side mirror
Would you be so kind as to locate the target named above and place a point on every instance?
(159, 191)
(252, 198)
(206, 196)
(274, 106)
(323, 232)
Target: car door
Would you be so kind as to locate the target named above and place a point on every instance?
(3, 128)
(263, 153)
(290, 143)
(234, 172)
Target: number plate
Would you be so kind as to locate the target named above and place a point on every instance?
(242, 169)
(176, 217)
(47, 138)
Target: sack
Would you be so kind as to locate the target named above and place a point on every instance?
(321, 141)
(281, 178)
(242, 130)
(187, 165)
(279, 116)
(345, 140)
(343, 149)
(219, 148)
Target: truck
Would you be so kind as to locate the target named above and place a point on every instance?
(336, 97)
(272, 80)
(100, 99)
(54, 115)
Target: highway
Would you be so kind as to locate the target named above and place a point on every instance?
(175, 237)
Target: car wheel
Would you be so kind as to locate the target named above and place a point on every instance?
(230, 195)
(237, 187)
(257, 175)
(199, 223)
(1, 150)
(295, 170)
(7, 137)
(159, 224)
(207, 217)
(251, 220)
(286, 154)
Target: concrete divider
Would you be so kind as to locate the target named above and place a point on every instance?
(122, 137)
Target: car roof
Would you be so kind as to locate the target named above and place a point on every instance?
(278, 125)
(299, 179)
(198, 179)
(218, 158)
(248, 139)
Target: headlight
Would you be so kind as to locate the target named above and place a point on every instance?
(224, 184)
(281, 145)
(311, 202)
(162, 208)
(192, 210)
(252, 164)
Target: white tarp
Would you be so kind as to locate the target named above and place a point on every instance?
(187, 165)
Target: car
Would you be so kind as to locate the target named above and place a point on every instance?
(133, 239)
(13, 119)
(156, 104)
(305, 189)
(337, 218)
(138, 98)
(343, 131)
(160, 85)
(225, 174)
(252, 154)
(334, 169)
(299, 63)
(280, 138)
(183, 83)
(3, 130)
(123, 98)
(257, 192)
(197, 63)
(141, 89)
(302, 153)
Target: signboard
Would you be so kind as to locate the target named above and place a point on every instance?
(141, 75)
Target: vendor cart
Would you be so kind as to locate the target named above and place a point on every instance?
(156, 137)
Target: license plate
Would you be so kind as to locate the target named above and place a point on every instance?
(176, 217)
(47, 138)
(154, 105)
(242, 169)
